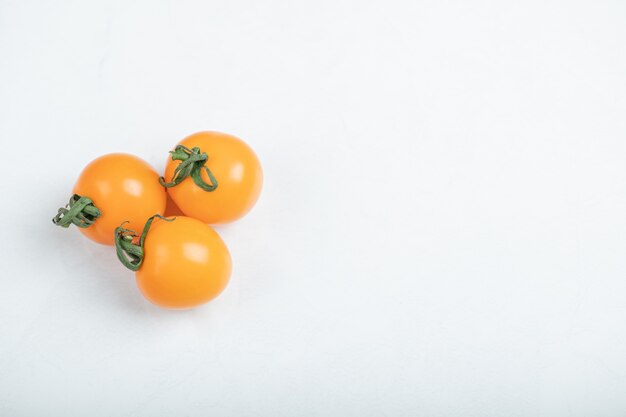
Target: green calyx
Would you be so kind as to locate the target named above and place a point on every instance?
(192, 163)
(129, 253)
(80, 211)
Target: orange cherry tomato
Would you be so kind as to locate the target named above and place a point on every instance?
(124, 188)
(235, 167)
(185, 263)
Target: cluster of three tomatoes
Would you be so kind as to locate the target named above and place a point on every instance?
(180, 262)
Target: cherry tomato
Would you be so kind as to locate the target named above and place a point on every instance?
(235, 167)
(185, 263)
(124, 188)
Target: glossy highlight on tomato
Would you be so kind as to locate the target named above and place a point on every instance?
(185, 263)
(237, 170)
(124, 188)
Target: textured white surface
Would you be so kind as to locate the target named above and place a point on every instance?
(442, 230)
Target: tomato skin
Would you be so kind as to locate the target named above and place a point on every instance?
(171, 209)
(237, 170)
(185, 264)
(124, 188)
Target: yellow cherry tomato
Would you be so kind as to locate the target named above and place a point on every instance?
(235, 168)
(183, 262)
(123, 188)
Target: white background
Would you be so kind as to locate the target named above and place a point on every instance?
(442, 230)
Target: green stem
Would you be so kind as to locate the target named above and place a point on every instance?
(129, 253)
(191, 165)
(80, 211)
